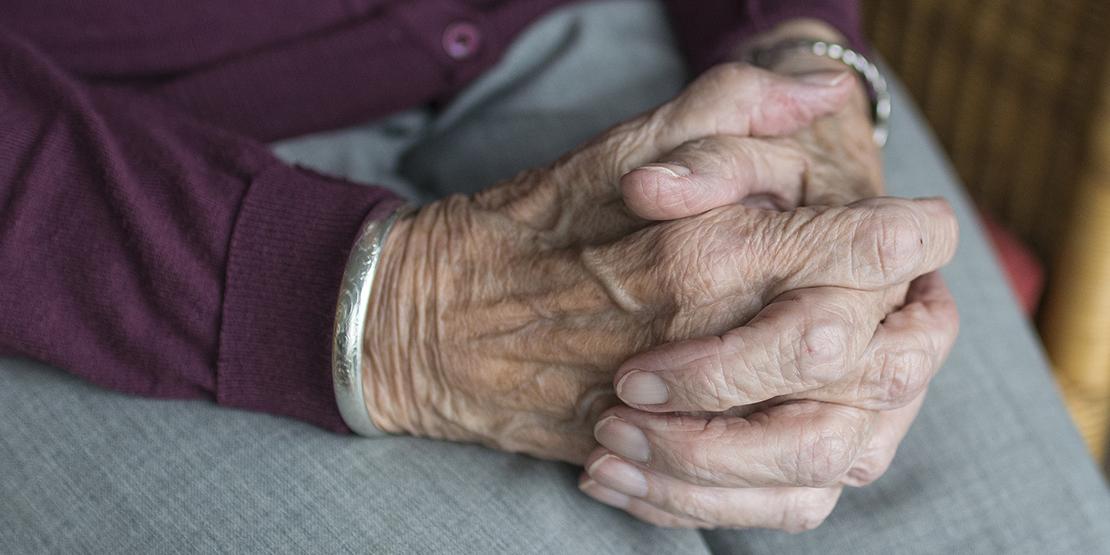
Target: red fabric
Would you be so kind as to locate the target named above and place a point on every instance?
(1024, 271)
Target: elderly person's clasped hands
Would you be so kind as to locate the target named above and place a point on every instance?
(665, 291)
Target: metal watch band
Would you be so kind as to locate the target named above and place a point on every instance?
(350, 319)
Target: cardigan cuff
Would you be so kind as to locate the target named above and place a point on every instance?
(286, 261)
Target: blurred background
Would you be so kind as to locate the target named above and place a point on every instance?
(1018, 92)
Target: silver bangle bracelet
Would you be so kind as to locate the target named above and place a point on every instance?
(350, 319)
(880, 94)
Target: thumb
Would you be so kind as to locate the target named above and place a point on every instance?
(731, 99)
(701, 175)
(742, 100)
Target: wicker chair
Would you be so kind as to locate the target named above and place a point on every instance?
(1018, 94)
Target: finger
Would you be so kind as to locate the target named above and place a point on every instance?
(636, 507)
(870, 244)
(863, 246)
(890, 428)
(905, 354)
(804, 340)
(731, 99)
(742, 100)
(716, 171)
(795, 444)
(784, 508)
(747, 257)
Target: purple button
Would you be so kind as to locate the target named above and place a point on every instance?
(461, 40)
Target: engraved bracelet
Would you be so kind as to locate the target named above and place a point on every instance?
(879, 92)
(350, 319)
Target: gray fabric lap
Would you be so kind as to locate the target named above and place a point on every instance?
(87, 470)
(991, 465)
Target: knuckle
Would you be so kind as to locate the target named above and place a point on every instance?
(821, 351)
(829, 458)
(613, 151)
(826, 453)
(684, 254)
(867, 470)
(900, 377)
(718, 81)
(807, 510)
(755, 162)
(917, 312)
(887, 244)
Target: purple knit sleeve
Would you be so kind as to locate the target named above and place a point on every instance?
(708, 30)
(155, 255)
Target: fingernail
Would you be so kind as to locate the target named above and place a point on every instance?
(823, 78)
(642, 388)
(614, 473)
(670, 168)
(604, 494)
(623, 439)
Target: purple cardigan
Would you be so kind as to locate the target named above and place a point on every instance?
(150, 243)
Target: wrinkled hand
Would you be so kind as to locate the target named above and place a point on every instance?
(500, 318)
(816, 391)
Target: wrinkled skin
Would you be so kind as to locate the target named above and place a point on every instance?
(827, 379)
(502, 318)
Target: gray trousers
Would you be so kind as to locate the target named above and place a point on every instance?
(991, 465)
